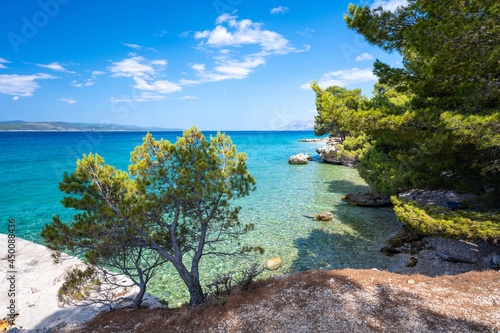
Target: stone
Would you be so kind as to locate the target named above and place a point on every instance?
(273, 263)
(405, 235)
(411, 281)
(390, 251)
(367, 198)
(299, 159)
(324, 217)
(329, 154)
(443, 198)
(412, 262)
(453, 258)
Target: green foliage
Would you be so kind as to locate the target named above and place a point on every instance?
(229, 283)
(78, 284)
(435, 220)
(435, 122)
(327, 122)
(174, 203)
(353, 149)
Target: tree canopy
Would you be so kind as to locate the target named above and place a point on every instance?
(175, 201)
(433, 123)
(436, 120)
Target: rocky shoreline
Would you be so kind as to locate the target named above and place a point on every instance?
(430, 256)
(37, 281)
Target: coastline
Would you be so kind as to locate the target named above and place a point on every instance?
(37, 282)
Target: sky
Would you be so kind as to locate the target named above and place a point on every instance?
(216, 64)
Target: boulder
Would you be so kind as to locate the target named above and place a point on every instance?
(324, 217)
(299, 159)
(411, 262)
(405, 235)
(273, 263)
(328, 154)
(443, 198)
(389, 251)
(367, 198)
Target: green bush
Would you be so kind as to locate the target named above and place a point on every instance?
(439, 221)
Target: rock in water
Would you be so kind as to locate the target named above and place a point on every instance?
(328, 154)
(324, 217)
(405, 235)
(273, 263)
(299, 159)
(412, 262)
(367, 198)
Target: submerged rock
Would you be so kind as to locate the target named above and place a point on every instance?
(411, 262)
(405, 235)
(324, 217)
(273, 263)
(328, 154)
(300, 159)
(390, 251)
(367, 198)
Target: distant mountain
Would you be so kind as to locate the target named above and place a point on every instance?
(18, 125)
(298, 125)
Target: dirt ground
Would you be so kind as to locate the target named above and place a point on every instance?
(332, 301)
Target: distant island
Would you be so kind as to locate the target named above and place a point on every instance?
(18, 125)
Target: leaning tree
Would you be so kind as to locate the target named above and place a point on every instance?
(176, 200)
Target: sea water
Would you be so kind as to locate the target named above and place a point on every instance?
(287, 196)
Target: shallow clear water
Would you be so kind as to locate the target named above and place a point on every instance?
(287, 196)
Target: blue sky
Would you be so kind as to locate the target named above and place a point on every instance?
(217, 64)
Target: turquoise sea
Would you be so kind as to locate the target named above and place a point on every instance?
(32, 164)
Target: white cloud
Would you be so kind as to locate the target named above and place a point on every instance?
(144, 72)
(344, 77)
(143, 96)
(231, 38)
(21, 85)
(188, 97)
(243, 32)
(56, 67)
(98, 73)
(160, 34)
(139, 47)
(136, 66)
(3, 61)
(306, 33)
(226, 69)
(67, 100)
(185, 34)
(160, 86)
(364, 56)
(198, 67)
(279, 10)
(313, 111)
(88, 83)
(15, 98)
(390, 5)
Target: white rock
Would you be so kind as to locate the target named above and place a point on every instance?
(328, 154)
(299, 159)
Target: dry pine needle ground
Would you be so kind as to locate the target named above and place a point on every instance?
(332, 301)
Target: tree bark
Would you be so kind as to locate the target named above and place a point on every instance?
(196, 293)
(140, 295)
(192, 282)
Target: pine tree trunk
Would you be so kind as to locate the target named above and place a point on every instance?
(196, 293)
(140, 295)
(192, 282)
